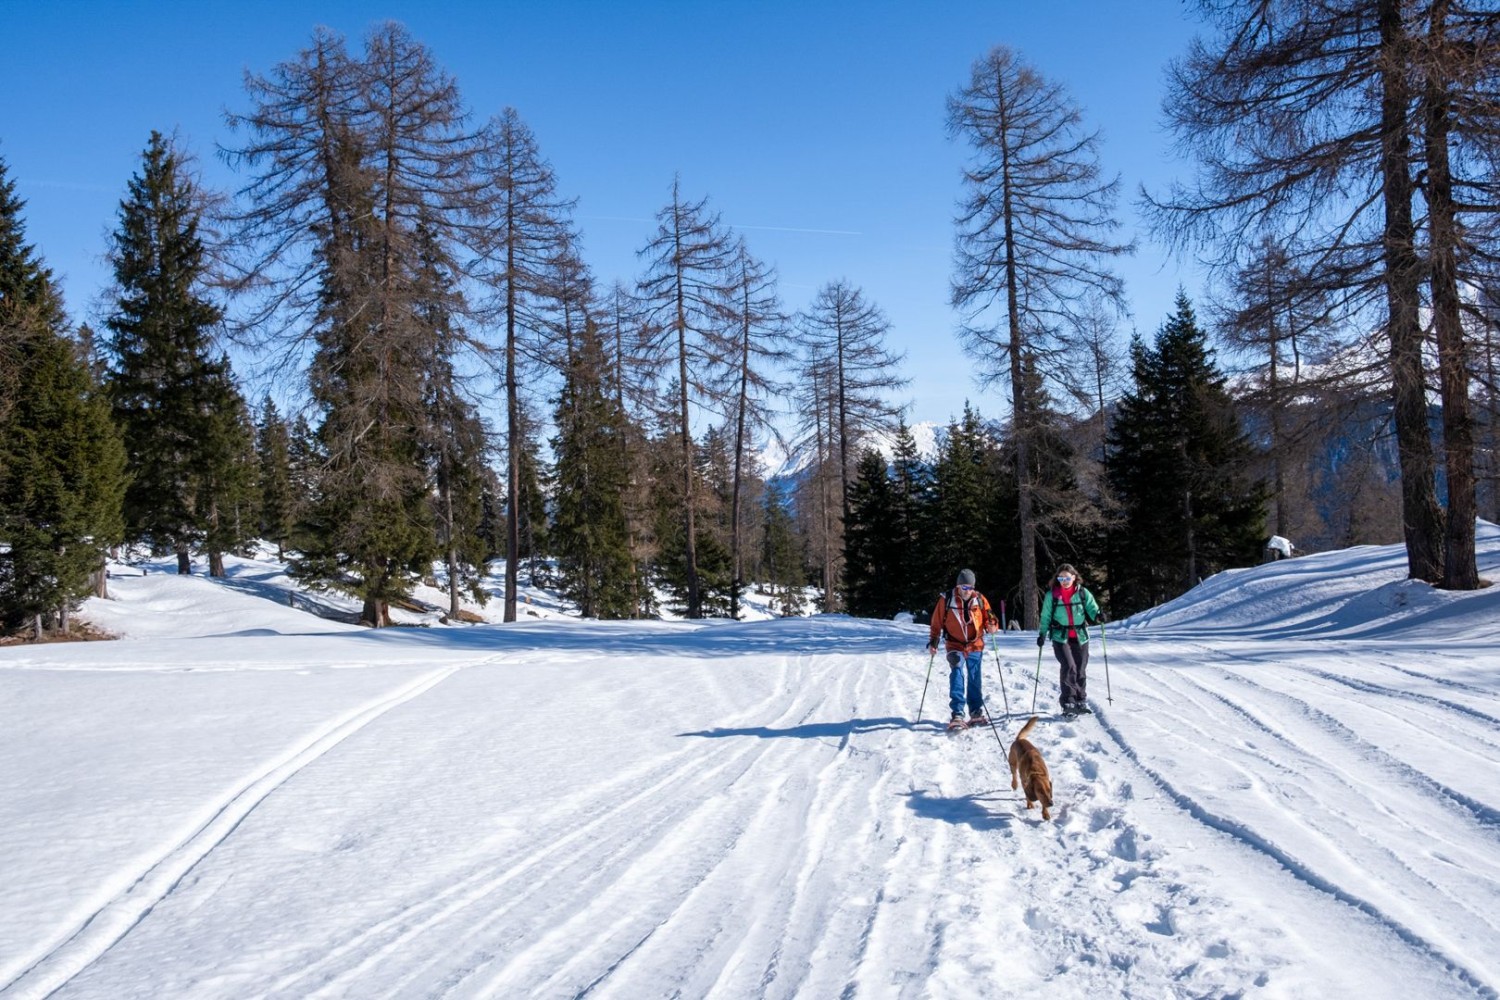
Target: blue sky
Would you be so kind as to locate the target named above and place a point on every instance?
(815, 128)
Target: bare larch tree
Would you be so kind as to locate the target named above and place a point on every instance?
(1033, 243)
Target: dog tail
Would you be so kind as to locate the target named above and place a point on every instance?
(1026, 728)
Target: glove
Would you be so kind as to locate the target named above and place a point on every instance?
(931, 648)
(1041, 641)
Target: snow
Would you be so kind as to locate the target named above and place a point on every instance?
(1278, 544)
(1289, 789)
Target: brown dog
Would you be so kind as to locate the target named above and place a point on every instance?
(1027, 759)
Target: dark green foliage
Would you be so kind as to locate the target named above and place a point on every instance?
(1178, 463)
(1067, 520)
(61, 482)
(227, 490)
(590, 536)
(911, 512)
(278, 509)
(872, 586)
(965, 484)
(782, 555)
(175, 403)
(61, 465)
(531, 491)
(305, 460)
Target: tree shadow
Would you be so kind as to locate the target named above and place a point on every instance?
(819, 730)
(964, 810)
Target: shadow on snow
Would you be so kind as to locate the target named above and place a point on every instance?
(817, 730)
(965, 810)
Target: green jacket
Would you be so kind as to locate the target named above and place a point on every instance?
(1054, 618)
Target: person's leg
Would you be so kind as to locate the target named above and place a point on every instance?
(976, 682)
(1082, 656)
(1067, 670)
(955, 683)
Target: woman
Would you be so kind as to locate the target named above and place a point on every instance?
(1067, 611)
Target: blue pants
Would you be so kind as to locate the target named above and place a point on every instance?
(958, 665)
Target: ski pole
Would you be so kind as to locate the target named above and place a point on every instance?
(999, 669)
(1104, 642)
(1038, 681)
(925, 683)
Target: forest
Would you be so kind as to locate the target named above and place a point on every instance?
(465, 389)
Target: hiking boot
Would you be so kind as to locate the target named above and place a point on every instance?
(1082, 709)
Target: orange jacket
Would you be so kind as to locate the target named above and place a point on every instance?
(963, 621)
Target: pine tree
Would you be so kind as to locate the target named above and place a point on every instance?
(963, 496)
(1178, 462)
(911, 515)
(61, 462)
(756, 338)
(526, 238)
(1033, 244)
(273, 453)
(227, 492)
(62, 480)
(590, 535)
(845, 332)
(683, 294)
(782, 555)
(367, 180)
(175, 403)
(871, 580)
(1068, 521)
(1306, 118)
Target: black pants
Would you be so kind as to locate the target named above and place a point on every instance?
(1072, 675)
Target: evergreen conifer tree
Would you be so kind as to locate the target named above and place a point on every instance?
(274, 460)
(62, 479)
(1178, 463)
(175, 403)
(61, 463)
(589, 533)
(872, 586)
(911, 516)
(782, 555)
(960, 534)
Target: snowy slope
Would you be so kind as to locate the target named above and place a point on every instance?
(1289, 789)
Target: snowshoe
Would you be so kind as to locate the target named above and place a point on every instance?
(957, 724)
(979, 720)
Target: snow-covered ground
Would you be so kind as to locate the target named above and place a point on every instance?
(1290, 788)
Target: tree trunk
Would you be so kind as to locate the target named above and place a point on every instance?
(1460, 570)
(1274, 396)
(736, 576)
(184, 563)
(690, 543)
(512, 422)
(1020, 410)
(1421, 517)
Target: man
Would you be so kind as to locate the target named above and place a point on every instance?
(963, 616)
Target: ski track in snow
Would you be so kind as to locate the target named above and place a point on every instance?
(752, 813)
(45, 975)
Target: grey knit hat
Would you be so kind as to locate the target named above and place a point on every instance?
(966, 578)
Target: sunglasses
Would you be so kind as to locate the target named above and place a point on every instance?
(1064, 578)
(964, 586)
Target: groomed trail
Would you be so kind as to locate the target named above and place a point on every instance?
(568, 809)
